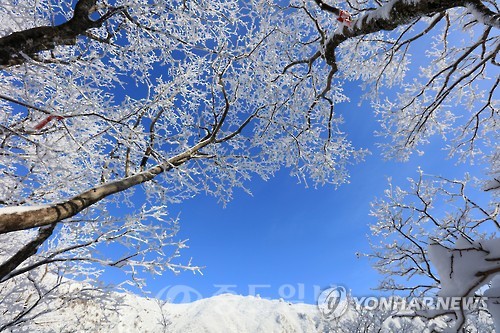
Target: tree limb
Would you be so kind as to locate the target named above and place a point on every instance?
(15, 47)
(12, 220)
(399, 12)
(483, 13)
(26, 251)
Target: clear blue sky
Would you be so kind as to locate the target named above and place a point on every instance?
(286, 241)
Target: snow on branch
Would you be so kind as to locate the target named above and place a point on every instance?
(483, 14)
(25, 217)
(464, 269)
(399, 12)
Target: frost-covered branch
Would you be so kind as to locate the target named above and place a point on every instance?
(25, 217)
(483, 14)
(389, 16)
(423, 106)
(433, 241)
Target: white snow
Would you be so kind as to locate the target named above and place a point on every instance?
(493, 294)
(383, 12)
(228, 313)
(20, 209)
(467, 267)
(458, 267)
(221, 313)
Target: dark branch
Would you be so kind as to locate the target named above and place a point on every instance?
(16, 47)
(26, 251)
(401, 12)
(327, 7)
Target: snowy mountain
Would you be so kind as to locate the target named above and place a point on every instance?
(88, 310)
(222, 313)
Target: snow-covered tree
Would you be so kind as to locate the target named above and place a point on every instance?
(437, 239)
(140, 104)
(359, 319)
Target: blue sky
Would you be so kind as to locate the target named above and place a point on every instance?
(288, 241)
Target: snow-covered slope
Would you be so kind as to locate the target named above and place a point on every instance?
(222, 313)
(78, 307)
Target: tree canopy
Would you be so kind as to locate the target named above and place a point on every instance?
(105, 99)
